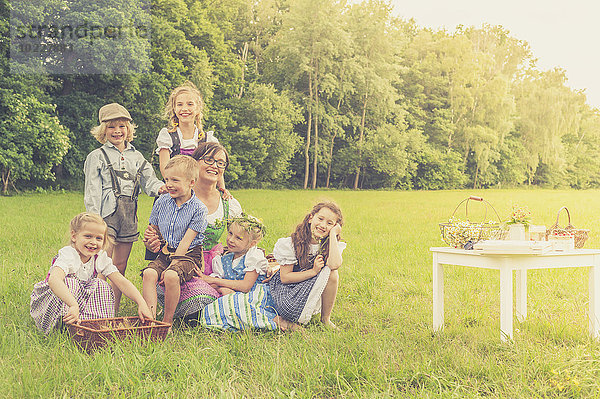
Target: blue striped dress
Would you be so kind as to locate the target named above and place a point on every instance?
(241, 311)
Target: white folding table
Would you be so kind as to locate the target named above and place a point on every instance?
(507, 263)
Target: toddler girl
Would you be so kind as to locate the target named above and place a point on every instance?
(244, 265)
(240, 273)
(307, 281)
(114, 176)
(71, 290)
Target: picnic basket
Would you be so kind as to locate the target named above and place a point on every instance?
(579, 235)
(459, 234)
(94, 333)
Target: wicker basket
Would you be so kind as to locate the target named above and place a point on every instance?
(95, 333)
(459, 234)
(579, 235)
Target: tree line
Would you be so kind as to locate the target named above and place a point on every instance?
(304, 94)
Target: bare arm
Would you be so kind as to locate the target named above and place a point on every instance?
(237, 285)
(163, 157)
(334, 258)
(131, 292)
(288, 275)
(56, 282)
(185, 243)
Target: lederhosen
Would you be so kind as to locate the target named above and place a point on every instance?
(123, 221)
(175, 150)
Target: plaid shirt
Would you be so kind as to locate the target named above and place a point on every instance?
(173, 221)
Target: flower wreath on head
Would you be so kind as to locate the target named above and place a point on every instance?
(248, 223)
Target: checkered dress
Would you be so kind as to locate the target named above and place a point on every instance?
(94, 296)
(297, 302)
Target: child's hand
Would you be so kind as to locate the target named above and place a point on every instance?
(144, 312)
(161, 278)
(72, 315)
(225, 194)
(151, 239)
(271, 270)
(163, 189)
(336, 230)
(318, 264)
(209, 279)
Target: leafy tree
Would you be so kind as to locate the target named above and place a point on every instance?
(32, 140)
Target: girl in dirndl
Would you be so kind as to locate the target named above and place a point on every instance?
(246, 303)
(307, 281)
(72, 290)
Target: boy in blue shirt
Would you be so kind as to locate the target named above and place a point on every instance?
(180, 218)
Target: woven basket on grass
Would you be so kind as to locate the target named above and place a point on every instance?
(94, 333)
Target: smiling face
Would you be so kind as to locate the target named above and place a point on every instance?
(321, 223)
(186, 107)
(89, 240)
(117, 133)
(179, 185)
(212, 172)
(238, 240)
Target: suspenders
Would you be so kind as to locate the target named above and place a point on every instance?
(116, 187)
(176, 147)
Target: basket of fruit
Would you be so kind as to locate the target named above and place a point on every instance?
(464, 233)
(94, 333)
(557, 232)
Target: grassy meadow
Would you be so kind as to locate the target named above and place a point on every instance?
(384, 347)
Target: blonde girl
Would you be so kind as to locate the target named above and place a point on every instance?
(184, 131)
(239, 276)
(72, 290)
(244, 265)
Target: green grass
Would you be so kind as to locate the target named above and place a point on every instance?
(385, 346)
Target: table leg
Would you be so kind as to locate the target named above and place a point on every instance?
(521, 294)
(506, 302)
(594, 284)
(438, 294)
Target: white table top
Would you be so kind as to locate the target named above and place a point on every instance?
(474, 252)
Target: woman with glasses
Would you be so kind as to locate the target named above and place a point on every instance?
(212, 161)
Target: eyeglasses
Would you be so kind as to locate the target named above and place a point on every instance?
(209, 161)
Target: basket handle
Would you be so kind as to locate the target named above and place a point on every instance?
(479, 199)
(558, 216)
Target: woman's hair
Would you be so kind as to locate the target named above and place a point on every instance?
(99, 132)
(169, 114)
(302, 236)
(211, 149)
(79, 221)
(253, 226)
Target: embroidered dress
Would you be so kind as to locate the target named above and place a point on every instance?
(94, 296)
(298, 302)
(239, 310)
(197, 293)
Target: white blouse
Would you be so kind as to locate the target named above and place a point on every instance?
(164, 140)
(284, 253)
(235, 210)
(69, 261)
(254, 261)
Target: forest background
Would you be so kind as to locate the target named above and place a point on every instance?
(304, 94)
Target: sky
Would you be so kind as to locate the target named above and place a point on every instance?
(563, 34)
